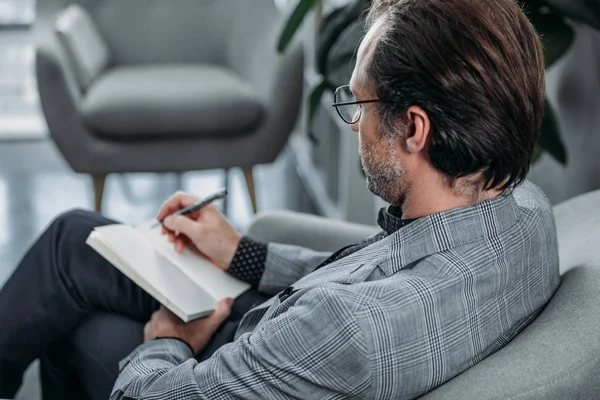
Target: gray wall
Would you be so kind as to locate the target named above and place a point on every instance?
(573, 86)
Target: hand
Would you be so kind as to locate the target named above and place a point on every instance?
(207, 229)
(196, 333)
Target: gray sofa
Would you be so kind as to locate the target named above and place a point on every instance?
(556, 357)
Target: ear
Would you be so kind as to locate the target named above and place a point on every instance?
(417, 129)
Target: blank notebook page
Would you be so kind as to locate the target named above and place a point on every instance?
(143, 261)
(211, 278)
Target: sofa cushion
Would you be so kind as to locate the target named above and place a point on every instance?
(162, 101)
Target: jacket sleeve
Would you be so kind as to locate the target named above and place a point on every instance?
(271, 267)
(314, 349)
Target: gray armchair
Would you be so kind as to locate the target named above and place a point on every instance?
(556, 357)
(191, 85)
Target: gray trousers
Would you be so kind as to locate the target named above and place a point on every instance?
(69, 307)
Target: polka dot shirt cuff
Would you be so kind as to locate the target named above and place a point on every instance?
(248, 263)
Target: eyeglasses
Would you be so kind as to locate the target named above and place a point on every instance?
(346, 105)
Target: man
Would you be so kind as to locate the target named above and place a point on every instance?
(447, 100)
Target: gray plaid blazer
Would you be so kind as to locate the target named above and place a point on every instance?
(391, 321)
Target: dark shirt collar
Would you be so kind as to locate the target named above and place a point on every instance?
(390, 220)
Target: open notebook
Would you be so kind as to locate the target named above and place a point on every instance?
(186, 283)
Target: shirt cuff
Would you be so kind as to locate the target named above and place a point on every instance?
(248, 263)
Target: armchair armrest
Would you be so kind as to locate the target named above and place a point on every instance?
(60, 96)
(55, 73)
(317, 233)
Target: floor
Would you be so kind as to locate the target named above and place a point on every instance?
(36, 184)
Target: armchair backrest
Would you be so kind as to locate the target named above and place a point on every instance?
(173, 31)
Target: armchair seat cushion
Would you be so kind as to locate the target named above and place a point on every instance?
(163, 101)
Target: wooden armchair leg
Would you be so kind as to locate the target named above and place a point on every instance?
(250, 183)
(99, 181)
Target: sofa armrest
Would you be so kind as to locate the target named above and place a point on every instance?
(317, 233)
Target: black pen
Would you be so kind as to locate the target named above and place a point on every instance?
(196, 206)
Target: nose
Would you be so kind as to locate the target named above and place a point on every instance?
(356, 117)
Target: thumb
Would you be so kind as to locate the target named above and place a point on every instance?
(222, 311)
(180, 224)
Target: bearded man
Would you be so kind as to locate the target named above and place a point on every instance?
(447, 100)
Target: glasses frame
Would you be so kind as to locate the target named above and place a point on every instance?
(350, 103)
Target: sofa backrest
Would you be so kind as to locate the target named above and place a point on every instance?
(558, 355)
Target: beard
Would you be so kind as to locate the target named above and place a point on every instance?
(383, 169)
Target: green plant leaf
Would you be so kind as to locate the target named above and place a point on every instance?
(552, 27)
(342, 55)
(343, 60)
(550, 139)
(331, 27)
(586, 11)
(315, 97)
(293, 23)
(537, 153)
(334, 24)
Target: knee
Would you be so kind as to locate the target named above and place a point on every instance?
(74, 218)
(76, 223)
(67, 234)
(75, 214)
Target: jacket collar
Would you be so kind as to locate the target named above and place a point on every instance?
(449, 229)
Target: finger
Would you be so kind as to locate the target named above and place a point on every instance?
(176, 202)
(169, 315)
(149, 329)
(181, 243)
(180, 237)
(222, 311)
(182, 224)
(212, 208)
(162, 313)
(172, 237)
(147, 332)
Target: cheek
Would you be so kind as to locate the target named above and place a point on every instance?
(364, 143)
(369, 125)
(364, 132)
